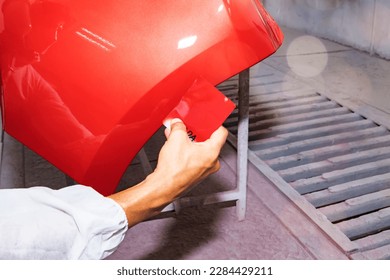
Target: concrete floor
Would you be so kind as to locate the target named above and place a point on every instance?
(274, 227)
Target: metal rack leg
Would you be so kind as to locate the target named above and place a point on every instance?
(242, 143)
(145, 163)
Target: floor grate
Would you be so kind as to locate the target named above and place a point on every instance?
(333, 158)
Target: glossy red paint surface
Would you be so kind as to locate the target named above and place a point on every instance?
(86, 83)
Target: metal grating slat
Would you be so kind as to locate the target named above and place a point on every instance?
(346, 190)
(335, 163)
(301, 126)
(353, 207)
(279, 101)
(298, 145)
(265, 120)
(281, 93)
(374, 241)
(366, 224)
(331, 131)
(259, 123)
(332, 178)
(332, 150)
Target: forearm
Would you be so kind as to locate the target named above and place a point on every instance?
(145, 199)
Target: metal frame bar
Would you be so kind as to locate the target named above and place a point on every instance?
(242, 142)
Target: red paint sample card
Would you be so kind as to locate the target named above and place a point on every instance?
(203, 109)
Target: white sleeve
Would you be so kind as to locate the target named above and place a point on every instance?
(75, 222)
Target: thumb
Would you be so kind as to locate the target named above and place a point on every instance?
(176, 125)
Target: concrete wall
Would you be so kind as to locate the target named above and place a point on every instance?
(363, 24)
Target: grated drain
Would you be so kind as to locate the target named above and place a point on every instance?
(332, 157)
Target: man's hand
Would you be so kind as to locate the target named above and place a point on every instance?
(185, 162)
(181, 164)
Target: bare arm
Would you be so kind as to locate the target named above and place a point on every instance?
(181, 164)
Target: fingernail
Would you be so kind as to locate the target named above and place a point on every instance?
(167, 123)
(176, 120)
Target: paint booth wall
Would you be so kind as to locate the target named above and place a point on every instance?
(362, 24)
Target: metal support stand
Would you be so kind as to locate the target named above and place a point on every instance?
(242, 142)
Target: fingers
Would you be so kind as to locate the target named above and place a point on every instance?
(177, 125)
(218, 138)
